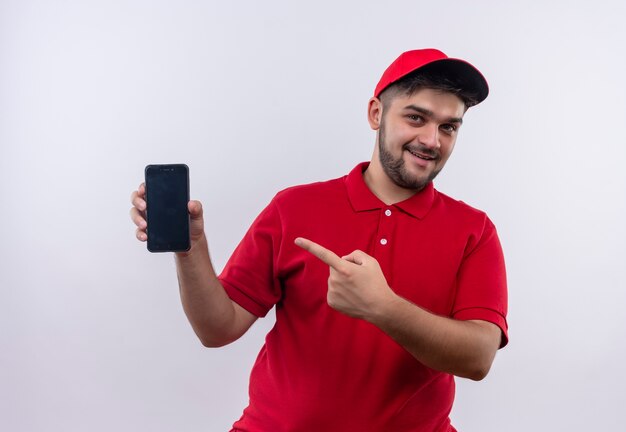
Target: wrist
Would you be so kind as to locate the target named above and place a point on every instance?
(385, 308)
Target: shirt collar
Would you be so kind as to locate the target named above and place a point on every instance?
(363, 199)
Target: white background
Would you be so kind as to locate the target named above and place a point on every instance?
(258, 96)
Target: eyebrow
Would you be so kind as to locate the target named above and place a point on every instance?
(429, 113)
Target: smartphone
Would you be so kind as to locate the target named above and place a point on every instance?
(167, 196)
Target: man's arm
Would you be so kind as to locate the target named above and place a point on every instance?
(357, 288)
(215, 318)
(462, 348)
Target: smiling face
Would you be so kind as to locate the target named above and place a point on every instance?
(416, 135)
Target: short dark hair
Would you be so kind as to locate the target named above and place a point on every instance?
(429, 77)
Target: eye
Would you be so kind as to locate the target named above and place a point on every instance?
(449, 128)
(415, 118)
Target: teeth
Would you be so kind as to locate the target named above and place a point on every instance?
(420, 156)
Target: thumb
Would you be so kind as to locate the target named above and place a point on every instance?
(357, 257)
(195, 209)
(196, 222)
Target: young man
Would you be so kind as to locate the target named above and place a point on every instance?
(384, 288)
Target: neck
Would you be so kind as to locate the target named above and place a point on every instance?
(382, 186)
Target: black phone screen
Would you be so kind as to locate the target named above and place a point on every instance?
(167, 195)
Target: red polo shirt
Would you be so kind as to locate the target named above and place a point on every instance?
(320, 370)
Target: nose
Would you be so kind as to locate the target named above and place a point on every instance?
(429, 136)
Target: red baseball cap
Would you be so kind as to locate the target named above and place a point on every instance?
(461, 71)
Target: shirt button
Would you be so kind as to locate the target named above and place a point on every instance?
(383, 242)
(387, 212)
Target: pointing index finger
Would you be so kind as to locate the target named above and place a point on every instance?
(325, 255)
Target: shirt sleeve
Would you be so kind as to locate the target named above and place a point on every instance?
(250, 276)
(481, 282)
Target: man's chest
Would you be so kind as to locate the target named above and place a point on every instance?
(420, 259)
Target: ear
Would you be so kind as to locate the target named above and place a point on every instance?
(374, 112)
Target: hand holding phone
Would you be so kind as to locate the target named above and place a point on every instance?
(167, 215)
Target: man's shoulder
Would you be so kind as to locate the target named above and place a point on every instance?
(308, 191)
(460, 208)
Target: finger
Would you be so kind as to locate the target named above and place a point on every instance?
(141, 235)
(195, 209)
(356, 257)
(138, 218)
(137, 201)
(325, 255)
(140, 192)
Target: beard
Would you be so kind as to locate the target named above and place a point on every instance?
(395, 167)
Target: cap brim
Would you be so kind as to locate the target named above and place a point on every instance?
(466, 75)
